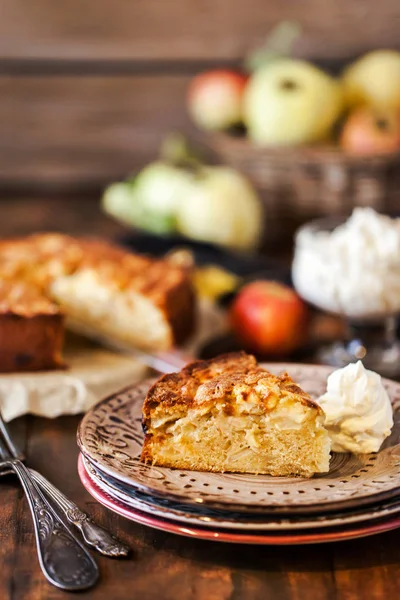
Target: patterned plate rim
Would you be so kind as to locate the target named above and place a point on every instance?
(206, 520)
(110, 459)
(256, 538)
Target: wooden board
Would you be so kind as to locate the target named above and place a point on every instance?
(175, 30)
(85, 130)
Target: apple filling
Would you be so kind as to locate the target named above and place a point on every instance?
(246, 432)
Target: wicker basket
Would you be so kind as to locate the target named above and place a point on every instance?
(298, 184)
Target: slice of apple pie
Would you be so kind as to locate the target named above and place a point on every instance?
(230, 414)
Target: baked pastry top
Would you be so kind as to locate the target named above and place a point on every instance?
(20, 298)
(230, 414)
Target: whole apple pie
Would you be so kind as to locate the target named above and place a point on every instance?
(230, 414)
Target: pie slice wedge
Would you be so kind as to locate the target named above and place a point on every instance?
(229, 414)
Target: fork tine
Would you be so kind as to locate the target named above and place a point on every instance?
(12, 449)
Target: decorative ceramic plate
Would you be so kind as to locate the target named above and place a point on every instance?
(204, 517)
(331, 534)
(111, 436)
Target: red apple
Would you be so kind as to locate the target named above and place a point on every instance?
(214, 99)
(368, 132)
(269, 318)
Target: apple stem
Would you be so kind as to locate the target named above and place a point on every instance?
(175, 150)
(278, 44)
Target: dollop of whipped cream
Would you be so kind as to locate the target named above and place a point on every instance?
(359, 414)
(354, 269)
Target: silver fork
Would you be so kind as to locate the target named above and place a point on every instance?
(64, 561)
(93, 534)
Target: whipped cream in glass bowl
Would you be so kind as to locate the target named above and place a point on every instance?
(352, 268)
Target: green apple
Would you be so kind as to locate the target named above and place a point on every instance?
(151, 200)
(374, 80)
(291, 102)
(221, 208)
(211, 204)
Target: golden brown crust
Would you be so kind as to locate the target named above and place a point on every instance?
(206, 381)
(180, 388)
(20, 298)
(39, 259)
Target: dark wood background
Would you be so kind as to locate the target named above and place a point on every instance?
(89, 88)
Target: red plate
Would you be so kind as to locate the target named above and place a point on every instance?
(333, 534)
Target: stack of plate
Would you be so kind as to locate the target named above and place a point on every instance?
(359, 496)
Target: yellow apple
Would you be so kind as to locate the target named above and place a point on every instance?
(291, 102)
(374, 80)
(221, 208)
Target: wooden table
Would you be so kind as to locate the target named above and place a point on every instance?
(164, 566)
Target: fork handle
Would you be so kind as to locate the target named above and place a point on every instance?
(93, 534)
(63, 560)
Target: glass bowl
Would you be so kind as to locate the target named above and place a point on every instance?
(369, 305)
